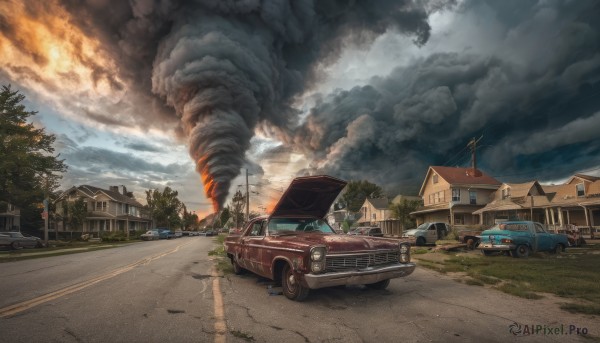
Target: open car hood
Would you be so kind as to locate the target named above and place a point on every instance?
(309, 196)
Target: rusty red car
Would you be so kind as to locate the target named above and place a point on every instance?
(296, 247)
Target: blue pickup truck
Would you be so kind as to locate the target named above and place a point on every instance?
(520, 238)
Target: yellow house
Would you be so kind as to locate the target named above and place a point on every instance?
(452, 194)
(374, 211)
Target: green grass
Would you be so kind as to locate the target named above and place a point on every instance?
(223, 263)
(571, 276)
(580, 308)
(473, 282)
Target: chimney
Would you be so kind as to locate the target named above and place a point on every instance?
(124, 190)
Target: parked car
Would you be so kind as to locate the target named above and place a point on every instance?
(521, 238)
(427, 233)
(178, 233)
(150, 235)
(165, 234)
(370, 231)
(296, 246)
(18, 240)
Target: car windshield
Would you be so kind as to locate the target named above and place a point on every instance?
(298, 225)
(423, 226)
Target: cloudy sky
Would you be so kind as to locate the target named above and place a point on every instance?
(190, 94)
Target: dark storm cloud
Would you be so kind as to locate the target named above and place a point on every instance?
(538, 109)
(142, 146)
(225, 66)
(112, 161)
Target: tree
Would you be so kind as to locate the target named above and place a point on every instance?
(189, 220)
(225, 215)
(29, 171)
(76, 213)
(402, 211)
(164, 207)
(237, 209)
(356, 192)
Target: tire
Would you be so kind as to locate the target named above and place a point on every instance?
(379, 285)
(15, 245)
(559, 248)
(522, 251)
(420, 241)
(237, 269)
(487, 252)
(291, 288)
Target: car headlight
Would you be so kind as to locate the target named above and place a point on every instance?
(317, 254)
(404, 256)
(317, 259)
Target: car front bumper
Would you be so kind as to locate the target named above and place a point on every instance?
(358, 277)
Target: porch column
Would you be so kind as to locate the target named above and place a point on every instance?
(553, 222)
(587, 216)
(451, 217)
(546, 217)
(561, 220)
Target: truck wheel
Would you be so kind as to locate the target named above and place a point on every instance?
(522, 251)
(487, 252)
(379, 285)
(292, 289)
(559, 248)
(420, 241)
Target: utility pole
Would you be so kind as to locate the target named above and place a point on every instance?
(473, 145)
(247, 197)
(45, 214)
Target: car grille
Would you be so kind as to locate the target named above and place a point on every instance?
(354, 262)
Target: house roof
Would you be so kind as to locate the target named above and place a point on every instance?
(584, 177)
(539, 201)
(550, 188)
(379, 203)
(91, 191)
(460, 176)
(519, 190)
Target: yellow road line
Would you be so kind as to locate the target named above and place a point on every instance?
(22, 306)
(220, 326)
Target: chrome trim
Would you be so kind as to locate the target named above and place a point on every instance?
(362, 252)
(358, 277)
(496, 247)
(272, 248)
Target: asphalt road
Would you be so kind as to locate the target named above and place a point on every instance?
(167, 291)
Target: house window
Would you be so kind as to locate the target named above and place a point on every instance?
(455, 194)
(101, 206)
(374, 216)
(472, 197)
(580, 190)
(437, 197)
(435, 178)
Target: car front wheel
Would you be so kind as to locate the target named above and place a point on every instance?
(522, 251)
(15, 245)
(379, 285)
(420, 241)
(291, 287)
(237, 270)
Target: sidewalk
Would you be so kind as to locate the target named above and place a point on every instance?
(15, 255)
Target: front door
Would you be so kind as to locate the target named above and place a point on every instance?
(431, 235)
(542, 240)
(252, 247)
